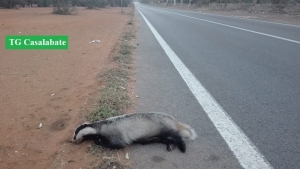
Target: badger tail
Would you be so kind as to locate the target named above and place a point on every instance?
(186, 131)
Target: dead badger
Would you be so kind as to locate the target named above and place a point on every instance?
(143, 128)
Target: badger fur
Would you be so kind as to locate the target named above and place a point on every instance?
(143, 128)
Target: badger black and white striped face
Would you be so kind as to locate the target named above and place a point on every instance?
(82, 131)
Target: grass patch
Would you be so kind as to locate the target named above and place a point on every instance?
(100, 112)
(113, 97)
(111, 163)
(129, 35)
(109, 158)
(122, 59)
(125, 49)
(124, 55)
(93, 149)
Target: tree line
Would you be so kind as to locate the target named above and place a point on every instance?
(46, 3)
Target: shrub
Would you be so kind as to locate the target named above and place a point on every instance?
(95, 4)
(12, 3)
(44, 3)
(63, 7)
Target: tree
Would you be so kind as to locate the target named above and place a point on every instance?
(12, 3)
(252, 6)
(44, 3)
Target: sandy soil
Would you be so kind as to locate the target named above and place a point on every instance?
(51, 87)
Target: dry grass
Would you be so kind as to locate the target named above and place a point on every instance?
(113, 99)
(110, 158)
(112, 163)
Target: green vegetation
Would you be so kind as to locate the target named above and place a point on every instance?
(111, 163)
(113, 97)
(61, 5)
(110, 158)
(44, 3)
(23, 3)
(91, 4)
(12, 3)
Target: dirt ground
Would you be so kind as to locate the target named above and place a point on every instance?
(271, 17)
(51, 87)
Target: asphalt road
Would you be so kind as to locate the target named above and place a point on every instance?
(250, 68)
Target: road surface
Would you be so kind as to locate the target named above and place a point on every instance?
(236, 81)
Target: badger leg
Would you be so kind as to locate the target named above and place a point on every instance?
(170, 147)
(98, 142)
(171, 140)
(148, 140)
(105, 142)
(175, 139)
(160, 139)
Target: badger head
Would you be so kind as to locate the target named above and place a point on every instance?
(82, 132)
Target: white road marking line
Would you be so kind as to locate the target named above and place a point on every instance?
(277, 23)
(244, 150)
(247, 30)
(235, 17)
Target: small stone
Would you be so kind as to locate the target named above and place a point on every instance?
(127, 156)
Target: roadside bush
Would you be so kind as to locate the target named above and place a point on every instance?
(22, 3)
(3, 4)
(63, 7)
(115, 3)
(202, 2)
(144, 1)
(44, 3)
(12, 3)
(91, 4)
(31, 2)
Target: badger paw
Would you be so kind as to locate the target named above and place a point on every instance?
(170, 147)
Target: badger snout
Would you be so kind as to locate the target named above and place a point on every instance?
(76, 141)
